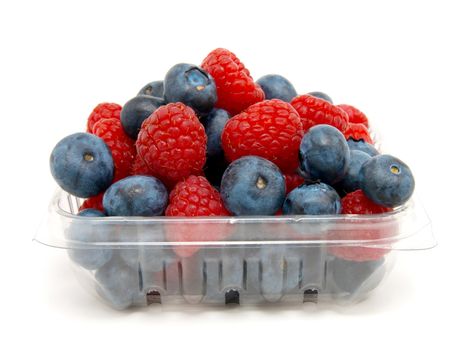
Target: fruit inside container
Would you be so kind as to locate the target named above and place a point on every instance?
(208, 187)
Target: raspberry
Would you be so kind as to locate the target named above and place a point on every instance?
(357, 203)
(195, 197)
(292, 181)
(93, 203)
(314, 111)
(355, 115)
(358, 132)
(172, 143)
(122, 147)
(236, 89)
(270, 129)
(139, 167)
(103, 111)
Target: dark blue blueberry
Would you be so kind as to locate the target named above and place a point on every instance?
(351, 181)
(312, 199)
(253, 186)
(321, 95)
(136, 196)
(387, 181)
(117, 283)
(362, 146)
(136, 111)
(81, 236)
(82, 165)
(192, 86)
(356, 277)
(216, 164)
(324, 154)
(214, 124)
(276, 86)
(155, 89)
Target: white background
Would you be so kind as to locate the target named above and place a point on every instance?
(402, 62)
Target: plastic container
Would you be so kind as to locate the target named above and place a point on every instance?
(132, 261)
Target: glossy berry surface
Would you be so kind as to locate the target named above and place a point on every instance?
(136, 111)
(136, 196)
(352, 179)
(195, 196)
(106, 110)
(82, 165)
(236, 89)
(357, 203)
(387, 181)
(312, 199)
(122, 147)
(321, 95)
(154, 88)
(214, 124)
(314, 111)
(192, 86)
(362, 146)
(253, 186)
(277, 87)
(270, 129)
(292, 181)
(172, 143)
(354, 114)
(324, 154)
(358, 132)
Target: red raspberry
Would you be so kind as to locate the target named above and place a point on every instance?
(236, 89)
(314, 111)
(172, 143)
(355, 115)
(357, 203)
(122, 147)
(93, 203)
(292, 181)
(103, 111)
(270, 129)
(358, 132)
(195, 197)
(139, 167)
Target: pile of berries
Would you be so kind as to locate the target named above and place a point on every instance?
(210, 141)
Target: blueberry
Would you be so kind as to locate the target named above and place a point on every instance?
(351, 181)
(253, 186)
(356, 277)
(86, 232)
(141, 254)
(312, 199)
(136, 111)
(276, 86)
(155, 89)
(82, 165)
(136, 196)
(387, 181)
(117, 283)
(362, 146)
(192, 86)
(214, 124)
(324, 154)
(321, 95)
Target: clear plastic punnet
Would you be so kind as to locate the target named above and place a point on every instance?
(137, 261)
